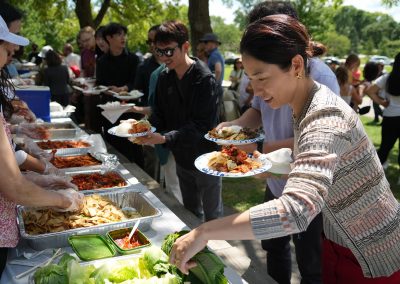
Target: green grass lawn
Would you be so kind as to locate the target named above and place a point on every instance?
(243, 193)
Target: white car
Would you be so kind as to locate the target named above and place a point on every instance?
(381, 59)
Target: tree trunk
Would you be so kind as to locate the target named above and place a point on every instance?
(199, 20)
(83, 10)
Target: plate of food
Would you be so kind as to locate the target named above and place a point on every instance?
(132, 128)
(234, 135)
(132, 95)
(231, 162)
(115, 106)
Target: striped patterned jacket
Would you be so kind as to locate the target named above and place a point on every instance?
(338, 172)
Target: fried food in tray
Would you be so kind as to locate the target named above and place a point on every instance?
(98, 180)
(97, 210)
(62, 162)
(233, 132)
(62, 144)
(232, 160)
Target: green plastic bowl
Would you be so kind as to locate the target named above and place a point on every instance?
(121, 233)
(91, 247)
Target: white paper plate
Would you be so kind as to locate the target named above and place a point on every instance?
(96, 90)
(201, 163)
(133, 95)
(234, 142)
(113, 130)
(116, 107)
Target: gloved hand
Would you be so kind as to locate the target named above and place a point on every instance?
(50, 169)
(50, 181)
(32, 148)
(76, 198)
(34, 131)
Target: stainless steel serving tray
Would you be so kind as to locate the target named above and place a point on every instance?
(62, 130)
(126, 198)
(99, 190)
(69, 151)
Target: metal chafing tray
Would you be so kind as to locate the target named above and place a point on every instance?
(62, 130)
(99, 190)
(68, 151)
(127, 198)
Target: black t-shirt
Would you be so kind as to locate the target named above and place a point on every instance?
(117, 70)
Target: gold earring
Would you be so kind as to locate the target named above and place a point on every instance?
(298, 76)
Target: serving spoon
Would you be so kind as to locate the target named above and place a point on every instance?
(133, 230)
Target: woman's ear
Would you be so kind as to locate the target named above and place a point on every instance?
(298, 64)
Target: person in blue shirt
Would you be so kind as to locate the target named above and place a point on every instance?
(215, 62)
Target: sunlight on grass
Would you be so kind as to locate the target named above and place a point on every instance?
(243, 193)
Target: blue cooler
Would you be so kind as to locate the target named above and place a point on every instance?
(38, 100)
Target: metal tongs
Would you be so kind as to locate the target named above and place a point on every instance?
(44, 263)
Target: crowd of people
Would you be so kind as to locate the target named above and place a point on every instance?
(336, 203)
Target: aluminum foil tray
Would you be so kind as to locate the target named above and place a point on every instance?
(69, 151)
(84, 168)
(100, 190)
(127, 198)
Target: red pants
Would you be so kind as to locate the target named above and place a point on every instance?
(341, 267)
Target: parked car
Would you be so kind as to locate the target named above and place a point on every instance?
(381, 59)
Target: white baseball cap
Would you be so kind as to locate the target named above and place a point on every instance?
(10, 37)
(44, 50)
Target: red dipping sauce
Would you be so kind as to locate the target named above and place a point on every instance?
(125, 244)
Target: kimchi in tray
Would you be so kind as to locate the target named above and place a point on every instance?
(95, 181)
(75, 161)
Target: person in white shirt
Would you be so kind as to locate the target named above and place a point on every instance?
(388, 86)
(71, 59)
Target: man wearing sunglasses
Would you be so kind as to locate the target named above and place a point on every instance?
(185, 109)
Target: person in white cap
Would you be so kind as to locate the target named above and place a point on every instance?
(14, 188)
(44, 50)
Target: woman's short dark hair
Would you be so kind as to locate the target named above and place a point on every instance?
(393, 81)
(371, 71)
(99, 32)
(276, 39)
(172, 31)
(342, 75)
(52, 58)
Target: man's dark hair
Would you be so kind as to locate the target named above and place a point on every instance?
(371, 71)
(268, 8)
(112, 29)
(172, 31)
(52, 58)
(153, 28)
(10, 13)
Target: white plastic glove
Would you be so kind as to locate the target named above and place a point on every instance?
(77, 200)
(32, 148)
(34, 131)
(50, 169)
(50, 181)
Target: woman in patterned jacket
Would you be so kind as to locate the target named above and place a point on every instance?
(336, 169)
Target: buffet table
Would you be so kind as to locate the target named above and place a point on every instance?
(162, 225)
(167, 223)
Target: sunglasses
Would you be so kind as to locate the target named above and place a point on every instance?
(168, 52)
